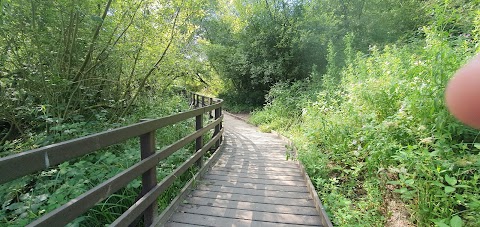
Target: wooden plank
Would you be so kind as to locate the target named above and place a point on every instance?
(254, 198)
(268, 168)
(252, 215)
(238, 154)
(256, 171)
(252, 206)
(51, 155)
(235, 153)
(255, 186)
(256, 176)
(252, 146)
(256, 158)
(257, 192)
(221, 221)
(285, 165)
(255, 180)
(176, 224)
(249, 145)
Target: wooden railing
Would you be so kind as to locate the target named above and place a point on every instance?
(28, 162)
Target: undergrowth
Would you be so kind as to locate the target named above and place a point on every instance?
(377, 131)
(26, 199)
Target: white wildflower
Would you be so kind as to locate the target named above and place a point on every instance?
(422, 128)
(428, 140)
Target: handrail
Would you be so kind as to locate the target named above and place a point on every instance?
(42, 158)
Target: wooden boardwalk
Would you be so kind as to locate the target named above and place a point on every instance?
(252, 184)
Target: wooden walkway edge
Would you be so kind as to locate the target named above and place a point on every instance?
(251, 184)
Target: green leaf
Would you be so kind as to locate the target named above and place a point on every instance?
(441, 224)
(436, 183)
(409, 181)
(394, 182)
(96, 18)
(449, 189)
(462, 186)
(450, 180)
(477, 145)
(401, 190)
(456, 221)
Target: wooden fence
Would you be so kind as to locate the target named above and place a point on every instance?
(28, 162)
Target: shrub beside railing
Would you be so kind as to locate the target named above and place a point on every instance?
(28, 162)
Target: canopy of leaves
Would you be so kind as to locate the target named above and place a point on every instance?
(68, 61)
(255, 44)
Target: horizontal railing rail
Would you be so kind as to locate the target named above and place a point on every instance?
(43, 158)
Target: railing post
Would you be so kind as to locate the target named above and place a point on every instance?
(218, 113)
(221, 126)
(189, 96)
(193, 99)
(203, 101)
(210, 115)
(149, 178)
(199, 140)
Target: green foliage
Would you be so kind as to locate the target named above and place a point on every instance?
(255, 44)
(27, 198)
(284, 106)
(64, 62)
(387, 135)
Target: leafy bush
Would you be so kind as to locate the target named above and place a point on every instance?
(284, 105)
(29, 197)
(387, 135)
(237, 102)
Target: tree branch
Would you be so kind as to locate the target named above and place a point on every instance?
(92, 44)
(155, 66)
(87, 58)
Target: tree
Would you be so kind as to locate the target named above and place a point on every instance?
(256, 44)
(66, 61)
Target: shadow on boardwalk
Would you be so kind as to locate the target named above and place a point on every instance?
(252, 184)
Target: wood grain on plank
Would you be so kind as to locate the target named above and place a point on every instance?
(256, 186)
(221, 221)
(256, 176)
(254, 198)
(284, 209)
(255, 180)
(257, 192)
(252, 215)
